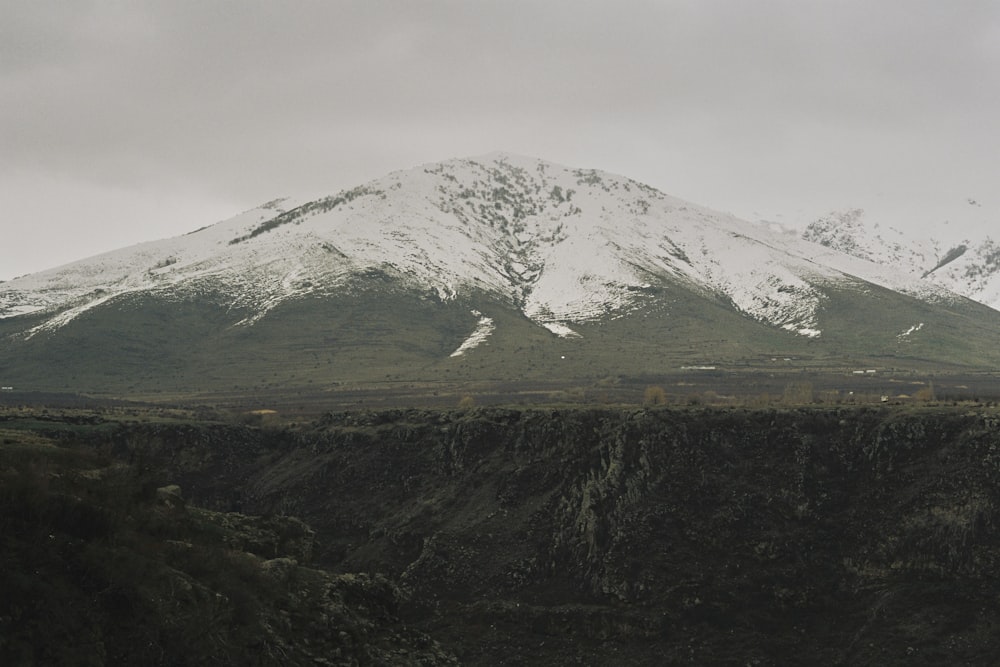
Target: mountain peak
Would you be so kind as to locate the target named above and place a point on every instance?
(564, 245)
(449, 260)
(503, 156)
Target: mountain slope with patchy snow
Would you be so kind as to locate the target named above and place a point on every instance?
(970, 267)
(563, 245)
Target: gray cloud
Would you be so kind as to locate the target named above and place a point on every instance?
(130, 121)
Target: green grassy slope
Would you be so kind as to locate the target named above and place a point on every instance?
(376, 332)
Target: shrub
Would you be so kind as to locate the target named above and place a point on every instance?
(654, 396)
(798, 393)
(829, 396)
(925, 394)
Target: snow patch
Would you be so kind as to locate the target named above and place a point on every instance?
(912, 330)
(803, 331)
(446, 292)
(14, 311)
(484, 328)
(66, 317)
(560, 329)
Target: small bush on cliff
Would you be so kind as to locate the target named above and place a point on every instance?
(798, 393)
(654, 396)
(925, 394)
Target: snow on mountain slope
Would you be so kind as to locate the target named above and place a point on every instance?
(147, 266)
(974, 273)
(967, 267)
(849, 232)
(563, 245)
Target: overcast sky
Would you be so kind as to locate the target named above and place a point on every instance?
(129, 121)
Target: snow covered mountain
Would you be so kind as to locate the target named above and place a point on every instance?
(970, 267)
(564, 245)
(482, 246)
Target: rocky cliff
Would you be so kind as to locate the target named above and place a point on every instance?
(810, 536)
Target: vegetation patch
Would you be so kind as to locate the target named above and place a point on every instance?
(312, 208)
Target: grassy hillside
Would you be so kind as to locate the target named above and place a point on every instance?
(375, 334)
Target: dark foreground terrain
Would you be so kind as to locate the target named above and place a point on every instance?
(488, 536)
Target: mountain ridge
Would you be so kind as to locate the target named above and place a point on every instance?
(969, 266)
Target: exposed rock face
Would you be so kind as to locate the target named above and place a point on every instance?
(826, 536)
(100, 567)
(170, 496)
